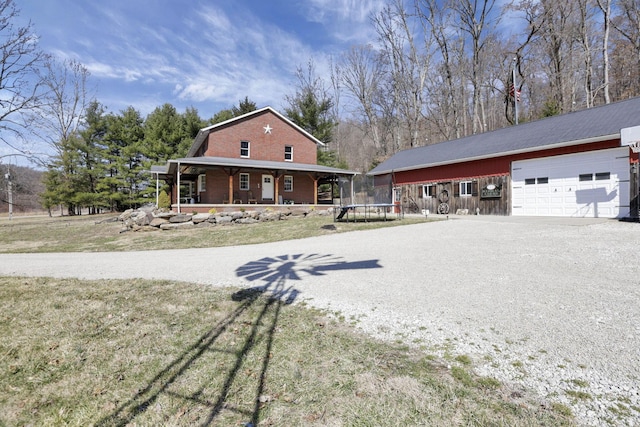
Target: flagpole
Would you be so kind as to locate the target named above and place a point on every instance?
(515, 91)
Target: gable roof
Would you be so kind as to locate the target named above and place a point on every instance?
(592, 125)
(204, 132)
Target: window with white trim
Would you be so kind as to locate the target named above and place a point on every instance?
(428, 191)
(466, 188)
(244, 149)
(288, 153)
(288, 183)
(244, 181)
(202, 183)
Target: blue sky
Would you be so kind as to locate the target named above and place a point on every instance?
(206, 54)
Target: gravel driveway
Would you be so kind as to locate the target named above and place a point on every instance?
(546, 304)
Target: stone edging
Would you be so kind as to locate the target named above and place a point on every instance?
(150, 218)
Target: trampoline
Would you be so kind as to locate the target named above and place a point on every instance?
(372, 196)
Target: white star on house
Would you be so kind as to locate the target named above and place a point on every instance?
(267, 129)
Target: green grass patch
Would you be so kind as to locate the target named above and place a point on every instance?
(139, 352)
(578, 394)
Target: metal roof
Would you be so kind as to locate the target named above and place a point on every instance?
(223, 162)
(580, 127)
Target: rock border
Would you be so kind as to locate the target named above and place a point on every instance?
(152, 219)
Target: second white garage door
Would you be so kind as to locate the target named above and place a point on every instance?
(591, 184)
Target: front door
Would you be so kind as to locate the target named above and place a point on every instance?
(267, 187)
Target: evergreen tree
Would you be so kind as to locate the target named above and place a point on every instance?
(124, 179)
(245, 106)
(221, 116)
(163, 135)
(191, 125)
(90, 153)
(312, 113)
(310, 108)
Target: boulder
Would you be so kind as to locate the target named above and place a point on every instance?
(201, 217)
(180, 218)
(125, 215)
(270, 216)
(247, 221)
(177, 226)
(224, 220)
(141, 218)
(157, 222)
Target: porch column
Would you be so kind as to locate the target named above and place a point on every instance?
(157, 189)
(230, 188)
(277, 190)
(315, 191)
(178, 200)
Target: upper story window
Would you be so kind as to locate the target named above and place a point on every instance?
(288, 153)
(244, 149)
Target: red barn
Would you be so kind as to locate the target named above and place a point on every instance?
(581, 164)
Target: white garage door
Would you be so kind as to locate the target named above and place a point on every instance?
(592, 184)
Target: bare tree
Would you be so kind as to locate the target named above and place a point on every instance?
(362, 75)
(627, 23)
(410, 62)
(605, 8)
(64, 104)
(19, 85)
(477, 20)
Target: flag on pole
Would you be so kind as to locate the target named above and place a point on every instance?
(514, 93)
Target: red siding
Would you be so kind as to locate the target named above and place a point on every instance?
(225, 141)
(490, 167)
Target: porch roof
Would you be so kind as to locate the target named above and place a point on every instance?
(170, 168)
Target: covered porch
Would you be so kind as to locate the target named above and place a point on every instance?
(199, 184)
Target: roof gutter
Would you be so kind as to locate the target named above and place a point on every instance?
(506, 153)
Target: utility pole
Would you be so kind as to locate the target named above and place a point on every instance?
(9, 192)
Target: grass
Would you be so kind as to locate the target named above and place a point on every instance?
(94, 234)
(109, 353)
(139, 352)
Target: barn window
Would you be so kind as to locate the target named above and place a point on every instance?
(428, 191)
(529, 181)
(603, 176)
(585, 176)
(288, 153)
(244, 181)
(244, 149)
(544, 180)
(466, 188)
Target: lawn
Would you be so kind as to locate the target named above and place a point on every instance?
(105, 353)
(162, 353)
(97, 233)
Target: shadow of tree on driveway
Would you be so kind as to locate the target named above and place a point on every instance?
(278, 275)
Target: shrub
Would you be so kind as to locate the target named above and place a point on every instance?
(164, 202)
(213, 211)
